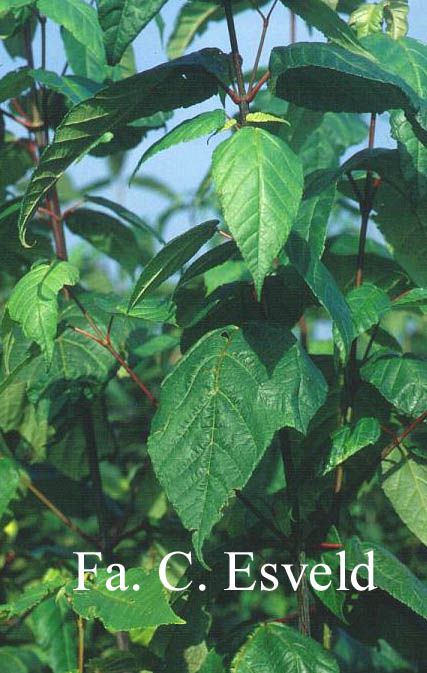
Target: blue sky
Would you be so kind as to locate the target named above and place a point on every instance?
(184, 166)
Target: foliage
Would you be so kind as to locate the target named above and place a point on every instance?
(164, 390)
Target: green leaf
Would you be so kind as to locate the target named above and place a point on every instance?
(276, 648)
(209, 260)
(416, 298)
(367, 19)
(9, 479)
(54, 628)
(125, 610)
(163, 88)
(126, 215)
(404, 481)
(368, 304)
(201, 125)
(170, 259)
(313, 215)
(14, 83)
(19, 660)
(78, 19)
(82, 60)
(122, 21)
(191, 21)
(34, 302)
(318, 14)
(152, 309)
(264, 118)
(401, 379)
(347, 441)
(324, 287)
(259, 183)
(74, 88)
(219, 410)
(390, 574)
(325, 77)
(408, 58)
(30, 597)
(396, 17)
(15, 160)
(107, 235)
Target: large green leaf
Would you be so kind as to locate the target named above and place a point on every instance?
(313, 215)
(390, 574)
(122, 21)
(54, 628)
(74, 88)
(325, 77)
(78, 19)
(347, 441)
(9, 479)
(190, 129)
(34, 302)
(404, 481)
(318, 14)
(219, 410)
(107, 235)
(401, 379)
(259, 182)
(126, 215)
(179, 83)
(125, 610)
(170, 259)
(277, 648)
(323, 286)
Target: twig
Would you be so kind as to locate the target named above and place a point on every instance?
(265, 20)
(293, 36)
(388, 449)
(63, 517)
(237, 60)
(251, 95)
(81, 644)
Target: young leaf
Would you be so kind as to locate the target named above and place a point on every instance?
(34, 302)
(9, 479)
(367, 19)
(219, 410)
(204, 123)
(163, 88)
(325, 77)
(78, 19)
(107, 235)
(401, 379)
(390, 574)
(347, 441)
(396, 18)
(264, 118)
(324, 18)
(404, 481)
(277, 648)
(125, 610)
(324, 287)
(259, 183)
(170, 259)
